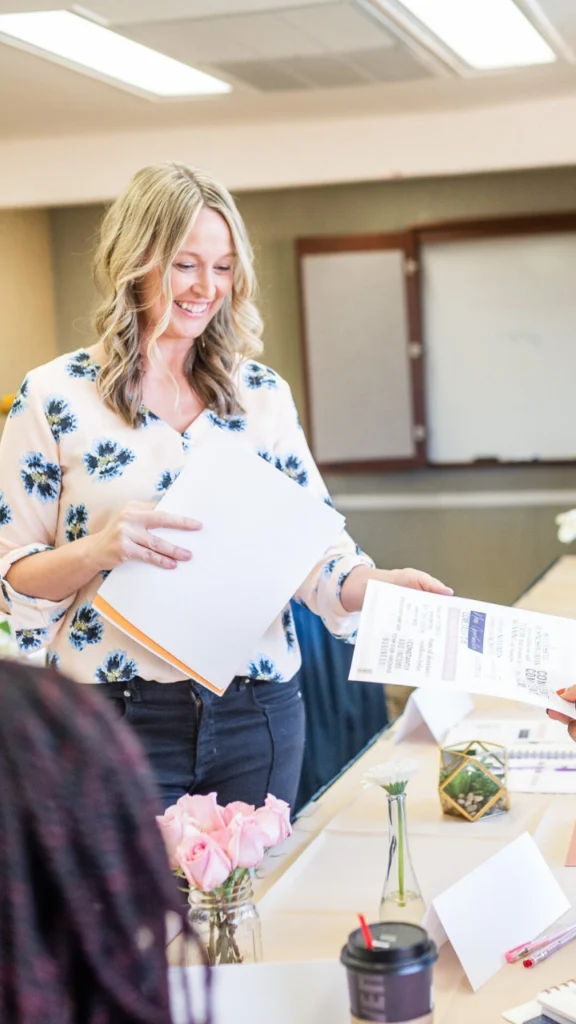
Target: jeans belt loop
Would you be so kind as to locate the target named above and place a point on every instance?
(133, 692)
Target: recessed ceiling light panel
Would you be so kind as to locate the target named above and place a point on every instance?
(92, 49)
(486, 34)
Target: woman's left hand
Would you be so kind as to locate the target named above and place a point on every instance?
(570, 696)
(354, 586)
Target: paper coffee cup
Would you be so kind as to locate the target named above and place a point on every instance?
(391, 983)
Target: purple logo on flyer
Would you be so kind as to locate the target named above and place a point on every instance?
(476, 628)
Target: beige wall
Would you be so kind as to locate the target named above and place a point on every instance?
(73, 232)
(26, 295)
(276, 218)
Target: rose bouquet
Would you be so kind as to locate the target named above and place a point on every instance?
(216, 849)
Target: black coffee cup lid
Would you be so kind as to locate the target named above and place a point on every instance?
(396, 945)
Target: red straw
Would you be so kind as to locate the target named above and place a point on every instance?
(366, 932)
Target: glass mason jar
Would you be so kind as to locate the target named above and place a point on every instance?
(401, 896)
(227, 923)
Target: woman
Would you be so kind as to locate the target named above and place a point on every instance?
(84, 879)
(569, 695)
(93, 440)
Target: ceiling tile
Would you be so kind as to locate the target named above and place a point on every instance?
(340, 27)
(271, 36)
(205, 41)
(262, 75)
(326, 72)
(126, 11)
(389, 65)
(562, 15)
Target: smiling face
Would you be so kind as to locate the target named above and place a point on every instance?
(201, 278)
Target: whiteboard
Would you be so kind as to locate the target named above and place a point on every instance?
(499, 331)
(356, 330)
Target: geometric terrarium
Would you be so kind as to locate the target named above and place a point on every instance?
(473, 780)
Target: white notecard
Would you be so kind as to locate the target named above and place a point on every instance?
(275, 993)
(509, 899)
(262, 535)
(436, 709)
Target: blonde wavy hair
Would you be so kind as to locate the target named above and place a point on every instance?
(142, 232)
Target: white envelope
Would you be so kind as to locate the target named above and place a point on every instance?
(509, 899)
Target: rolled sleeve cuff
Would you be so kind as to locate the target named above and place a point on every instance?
(29, 612)
(342, 624)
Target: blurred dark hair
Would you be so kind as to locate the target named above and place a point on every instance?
(84, 878)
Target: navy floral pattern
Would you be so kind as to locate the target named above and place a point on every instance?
(258, 376)
(86, 627)
(107, 460)
(235, 424)
(52, 659)
(264, 668)
(166, 479)
(5, 511)
(331, 565)
(61, 446)
(20, 403)
(147, 417)
(293, 467)
(289, 629)
(81, 365)
(31, 639)
(76, 522)
(40, 477)
(117, 667)
(61, 419)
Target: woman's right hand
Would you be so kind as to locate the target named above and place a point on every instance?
(128, 536)
(570, 696)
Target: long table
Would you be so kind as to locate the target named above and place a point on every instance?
(334, 864)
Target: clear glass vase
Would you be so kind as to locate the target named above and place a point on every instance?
(401, 896)
(227, 923)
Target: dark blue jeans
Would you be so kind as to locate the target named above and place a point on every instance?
(242, 745)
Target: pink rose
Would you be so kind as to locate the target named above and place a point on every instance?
(248, 841)
(224, 838)
(237, 807)
(170, 825)
(204, 810)
(203, 862)
(274, 820)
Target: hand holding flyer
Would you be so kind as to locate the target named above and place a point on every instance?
(414, 638)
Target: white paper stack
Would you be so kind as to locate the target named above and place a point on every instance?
(262, 535)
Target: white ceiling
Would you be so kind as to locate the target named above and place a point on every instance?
(285, 59)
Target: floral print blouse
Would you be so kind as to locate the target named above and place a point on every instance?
(67, 462)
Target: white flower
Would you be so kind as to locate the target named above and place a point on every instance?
(566, 523)
(393, 776)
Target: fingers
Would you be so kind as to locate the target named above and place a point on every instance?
(163, 548)
(568, 694)
(145, 553)
(435, 586)
(424, 581)
(558, 716)
(572, 730)
(154, 520)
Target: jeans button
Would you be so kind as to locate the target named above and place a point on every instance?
(127, 693)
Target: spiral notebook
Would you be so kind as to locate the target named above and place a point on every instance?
(555, 1005)
(547, 768)
(559, 1003)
